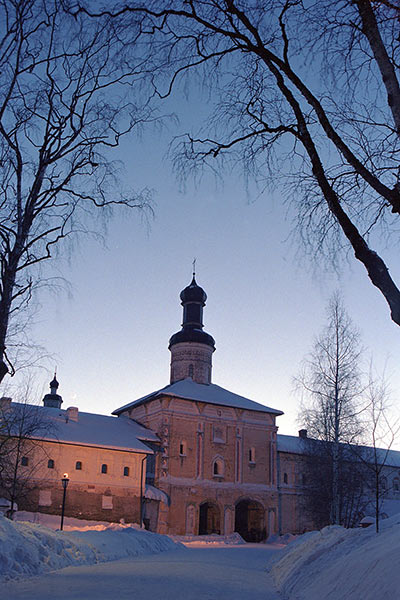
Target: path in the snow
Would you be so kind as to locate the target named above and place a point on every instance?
(201, 573)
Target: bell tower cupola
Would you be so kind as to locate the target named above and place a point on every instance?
(191, 348)
(53, 400)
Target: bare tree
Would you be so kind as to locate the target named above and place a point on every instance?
(307, 93)
(332, 386)
(64, 106)
(379, 433)
(352, 489)
(22, 426)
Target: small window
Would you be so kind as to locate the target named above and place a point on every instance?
(126, 471)
(24, 461)
(104, 468)
(396, 485)
(252, 455)
(285, 478)
(78, 465)
(191, 371)
(218, 468)
(383, 483)
(182, 448)
(50, 464)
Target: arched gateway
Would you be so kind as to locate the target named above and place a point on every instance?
(250, 520)
(209, 519)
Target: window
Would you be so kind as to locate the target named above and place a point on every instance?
(285, 478)
(50, 464)
(104, 468)
(218, 467)
(126, 471)
(191, 371)
(252, 455)
(396, 485)
(182, 448)
(383, 483)
(24, 461)
(78, 465)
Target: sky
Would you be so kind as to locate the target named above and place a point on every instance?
(108, 335)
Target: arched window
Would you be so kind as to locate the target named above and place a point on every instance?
(396, 485)
(218, 467)
(182, 448)
(191, 371)
(78, 465)
(285, 478)
(50, 463)
(126, 471)
(383, 482)
(252, 455)
(104, 468)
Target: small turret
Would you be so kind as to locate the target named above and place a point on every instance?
(53, 400)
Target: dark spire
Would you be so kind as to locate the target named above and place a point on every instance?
(53, 400)
(193, 300)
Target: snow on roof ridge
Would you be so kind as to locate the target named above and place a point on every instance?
(184, 389)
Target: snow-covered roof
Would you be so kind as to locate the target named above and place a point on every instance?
(210, 393)
(290, 443)
(298, 445)
(54, 424)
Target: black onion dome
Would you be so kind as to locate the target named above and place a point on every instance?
(188, 334)
(193, 299)
(193, 293)
(54, 383)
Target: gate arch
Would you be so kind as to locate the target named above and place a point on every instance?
(250, 520)
(209, 518)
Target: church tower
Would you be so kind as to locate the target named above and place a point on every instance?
(191, 348)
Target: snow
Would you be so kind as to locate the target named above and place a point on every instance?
(209, 540)
(236, 572)
(202, 392)
(89, 430)
(341, 563)
(28, 549)
(333, 563)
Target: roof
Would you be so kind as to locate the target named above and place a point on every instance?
(201, 392)
(298, 445)
(53, 424)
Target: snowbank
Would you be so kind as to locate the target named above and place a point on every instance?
(29, 549)
(341, 563)
(209, 540)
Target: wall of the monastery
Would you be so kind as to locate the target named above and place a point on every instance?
(194, 435)
(98, 504)
(294, 516)
(91, 493)
(184, 512)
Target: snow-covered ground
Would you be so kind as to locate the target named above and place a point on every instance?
(334, 563)
(202, 573)
(28, 549)
(350, 564)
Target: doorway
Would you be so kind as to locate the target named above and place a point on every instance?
(250, 521)
(209, 519)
